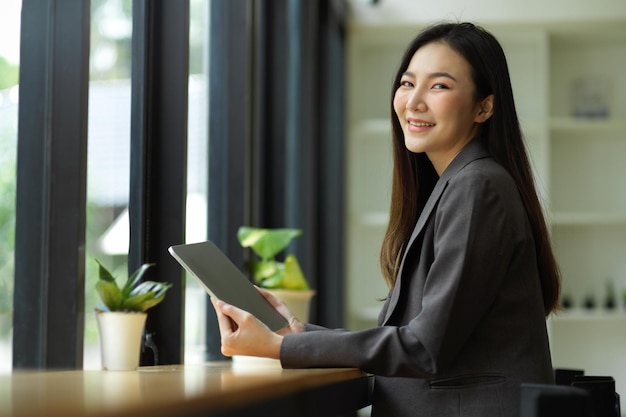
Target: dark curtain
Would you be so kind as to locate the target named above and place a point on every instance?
(276, 136)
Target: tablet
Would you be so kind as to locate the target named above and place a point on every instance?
(224, 281)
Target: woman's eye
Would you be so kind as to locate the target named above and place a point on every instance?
(440, 86)
(406, 83)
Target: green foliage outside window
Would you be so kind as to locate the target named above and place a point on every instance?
(9, 74)
(8, 150)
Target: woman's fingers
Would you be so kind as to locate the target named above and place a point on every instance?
(242, 334)
(228, 317)
(227, 324)
(294, 325)
(277, 303)
(274, 301)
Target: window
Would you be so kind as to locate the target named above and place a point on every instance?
(52, 183)
(109, 160)
(149, 162)
(108, 155)
(197, 172)
(9, 75)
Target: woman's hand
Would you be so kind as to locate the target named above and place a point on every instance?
(243, 334)
(294, 325)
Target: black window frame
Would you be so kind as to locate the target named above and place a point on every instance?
(48, 316)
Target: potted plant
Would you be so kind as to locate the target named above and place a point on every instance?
(123, 316)
(282, 278)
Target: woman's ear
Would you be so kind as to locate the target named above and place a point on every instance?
(485, 109)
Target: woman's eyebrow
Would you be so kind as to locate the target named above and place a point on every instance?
(442, 74)
(437, 74)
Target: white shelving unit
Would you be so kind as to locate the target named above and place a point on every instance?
(580, 165)
(587, 169)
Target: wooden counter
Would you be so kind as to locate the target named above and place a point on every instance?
(212, 389)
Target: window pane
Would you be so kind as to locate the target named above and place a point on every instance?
(197, 157)
(9, 75)
(108, 160)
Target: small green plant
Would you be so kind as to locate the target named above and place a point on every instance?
(267, 271)
(134, 295)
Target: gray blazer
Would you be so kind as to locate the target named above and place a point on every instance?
(464, 324)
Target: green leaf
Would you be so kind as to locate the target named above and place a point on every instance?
(151, 303)
(110, 294)
(294, 278)
(150, 286)
(263, 270)
(146, 295)
(134, 303)
(104, 273)
(266, 243)
(132, 281)
(275, 281)
(269, 274)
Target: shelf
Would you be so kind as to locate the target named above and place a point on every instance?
(557, 219)
(368, 313)
(580, 125)
(587, 219)
(617, 315)
(380, 126)
(376, 219)
(566, 124)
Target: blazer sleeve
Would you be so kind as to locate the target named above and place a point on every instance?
(472, 246)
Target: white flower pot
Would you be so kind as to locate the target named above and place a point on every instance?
(120, 339)
(298, 301)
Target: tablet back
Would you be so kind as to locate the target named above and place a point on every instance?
(224, 281)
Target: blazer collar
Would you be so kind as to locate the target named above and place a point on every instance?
(474, 150)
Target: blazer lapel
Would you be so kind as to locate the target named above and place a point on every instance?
(419, 226)
(472, 151)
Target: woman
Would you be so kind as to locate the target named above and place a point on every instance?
(466, 254)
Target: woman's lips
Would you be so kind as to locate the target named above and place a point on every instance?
(419, 125)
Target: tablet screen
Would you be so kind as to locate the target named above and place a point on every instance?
(223, 280)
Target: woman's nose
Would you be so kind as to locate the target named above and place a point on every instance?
(415, 101)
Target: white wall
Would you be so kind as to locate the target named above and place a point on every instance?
(485, 11)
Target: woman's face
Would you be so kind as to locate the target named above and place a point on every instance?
(435, 104)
